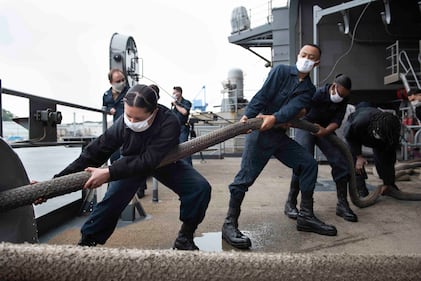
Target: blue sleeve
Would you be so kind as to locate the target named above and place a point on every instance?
(106, 103)
(299, 101)
(265, 95)
(352, 136)
(340, 114)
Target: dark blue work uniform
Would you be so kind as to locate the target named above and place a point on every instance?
(282, 95)
(184, 123)
(323, 112)
(117, 104)
(356, 132)
(141, 153)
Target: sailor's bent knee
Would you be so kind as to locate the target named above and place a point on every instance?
(204, 188)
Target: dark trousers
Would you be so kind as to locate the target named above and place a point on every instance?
(384, 159)
(192, 188)
(336, 159)
(259, 148)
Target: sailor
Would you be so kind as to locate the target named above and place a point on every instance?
(286, 91)
(181, 108)
(379, 130)
(146, 133)
(113, 104)
(327, 111)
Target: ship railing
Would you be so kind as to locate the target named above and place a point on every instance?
(52, 215)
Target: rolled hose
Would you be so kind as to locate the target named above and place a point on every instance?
(27, 194)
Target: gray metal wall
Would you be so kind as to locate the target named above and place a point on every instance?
(281, 36)
(366, 62)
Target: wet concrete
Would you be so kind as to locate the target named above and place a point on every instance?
(388, 227)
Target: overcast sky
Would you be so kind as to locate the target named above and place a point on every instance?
(60, 49)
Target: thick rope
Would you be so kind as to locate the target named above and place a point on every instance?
(59, 262)
(26, 195)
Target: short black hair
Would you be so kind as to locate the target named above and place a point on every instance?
(315, 46)
(142, 96)
(344, 81)
(178, 89)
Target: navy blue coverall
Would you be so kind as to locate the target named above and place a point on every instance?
(141, 154)
(118, 104)
(323, 112)
(282, 95)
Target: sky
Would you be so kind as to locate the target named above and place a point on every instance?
(60, 49)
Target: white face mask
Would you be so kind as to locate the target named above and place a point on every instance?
(376, 135)
(304, 65)
(335, 98)
(118, 87)
(137, 126)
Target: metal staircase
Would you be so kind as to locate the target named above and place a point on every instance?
(404, 65)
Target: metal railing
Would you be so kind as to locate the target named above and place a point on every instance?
(392, 60)
(39, 99)
(401, 64)
(406, 64)
(52, 215)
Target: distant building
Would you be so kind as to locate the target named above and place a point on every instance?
(14, 132)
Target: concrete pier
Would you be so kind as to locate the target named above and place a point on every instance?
(388, 227)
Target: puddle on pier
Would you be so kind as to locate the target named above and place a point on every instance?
(213, 242)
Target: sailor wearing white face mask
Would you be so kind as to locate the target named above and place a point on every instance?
(139, 126)
(327, 110)
(112, 99)
(146, 134)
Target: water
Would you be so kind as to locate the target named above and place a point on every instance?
(213, 242)
(42, 163)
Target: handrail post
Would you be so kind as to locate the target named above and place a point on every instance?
(104, 119)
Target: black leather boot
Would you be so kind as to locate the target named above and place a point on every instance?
(87, 241)
(390, 189)
(342, 208)
(184, 240)
(230, 232)
(291, 205)
(361, 186)
(307, 221)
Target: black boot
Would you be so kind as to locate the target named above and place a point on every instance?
(230, 232)
(184, 239)
(361, 186)
(291, 205)
(307, 221)
(390, 189)
(87, 240)
(342, 208)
